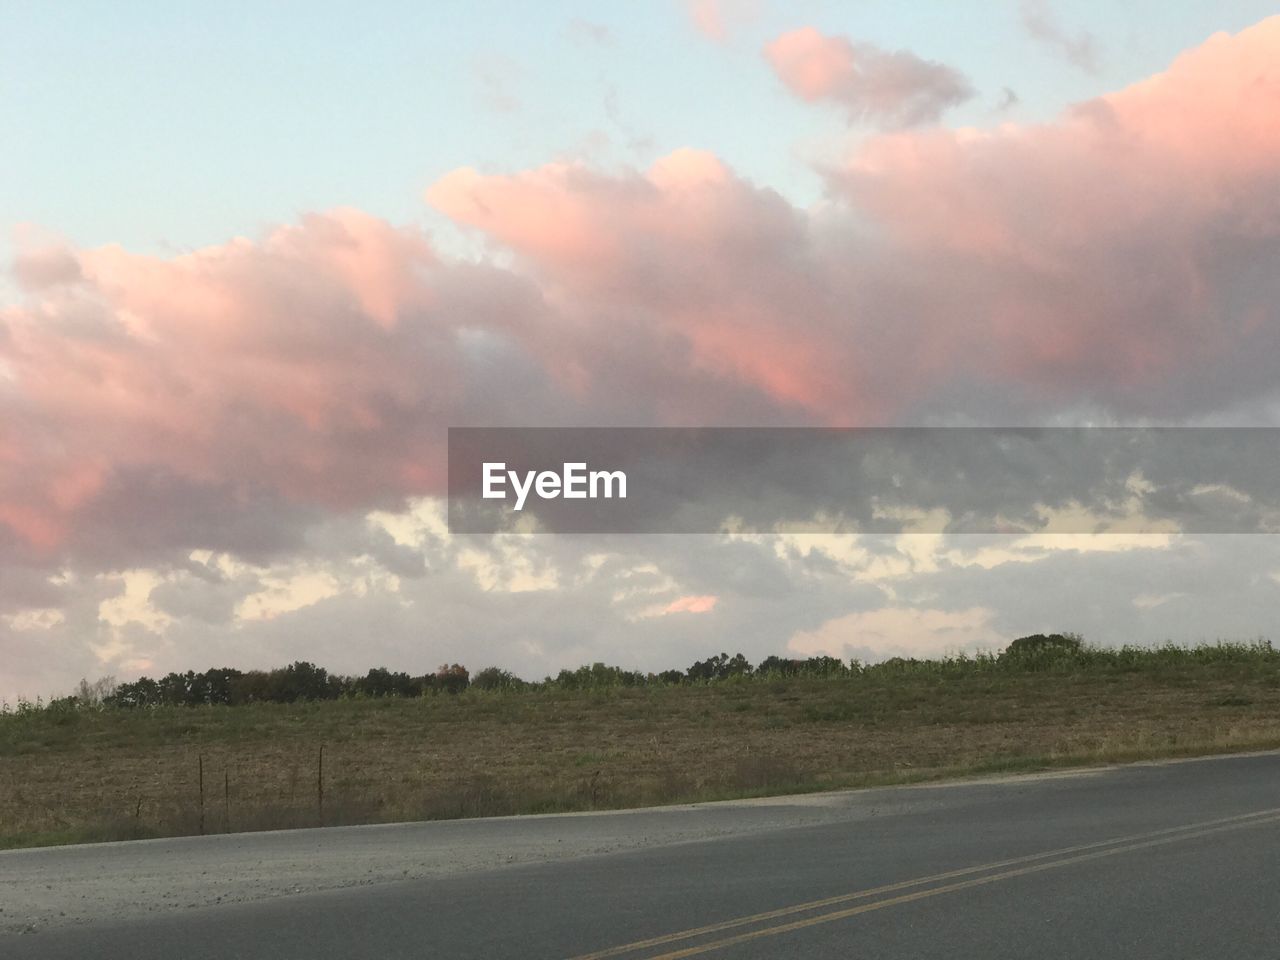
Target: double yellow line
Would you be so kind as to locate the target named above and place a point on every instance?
(987, 873)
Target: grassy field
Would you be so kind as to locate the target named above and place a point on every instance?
(70, 775)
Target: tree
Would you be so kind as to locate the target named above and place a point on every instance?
(301, 680)
(824, 666)
(599, 676)
(212, 686)
(143, 692)
(97, 693)
(452, 678)
(381, 682)
(720, 667)
(1041, 648)
(495, 678)
(780, 666)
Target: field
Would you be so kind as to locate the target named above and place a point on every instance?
(84, 774)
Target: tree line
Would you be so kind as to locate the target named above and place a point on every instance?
(303, 680)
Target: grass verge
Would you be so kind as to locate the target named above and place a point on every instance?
(90, 775)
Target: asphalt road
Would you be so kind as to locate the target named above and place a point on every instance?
(1162, 861)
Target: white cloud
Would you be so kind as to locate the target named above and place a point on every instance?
(34, 618)
(901, 632)
(285, 594)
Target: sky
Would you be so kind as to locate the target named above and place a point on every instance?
(258, 257)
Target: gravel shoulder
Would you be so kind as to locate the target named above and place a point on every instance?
(48, 887)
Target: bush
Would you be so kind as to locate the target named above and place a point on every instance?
(598, 676)
(1042, 649)
(95, 694)
(778, 667)
(823, 667)
(720, 667)
(495, 678)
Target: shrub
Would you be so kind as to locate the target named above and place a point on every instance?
(720, 667)
(95, 694)
(774, 665)
(598, 676)
(897, 666)
(143, 692)
(495, 678)
(823, 667)
(1040, 649)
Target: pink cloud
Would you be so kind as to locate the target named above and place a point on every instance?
(319, 365)
(895, 88)
(1120, 258)
(716, 19)
(45, 265)
(1118, 250)
(1115, 257)
(704, 604)
(723, 272)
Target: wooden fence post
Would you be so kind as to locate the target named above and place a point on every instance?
(320, 785)
(201, 762)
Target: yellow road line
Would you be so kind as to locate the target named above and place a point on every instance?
(907, 884)
(949, 888)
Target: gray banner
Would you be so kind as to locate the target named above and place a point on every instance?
(886, 480)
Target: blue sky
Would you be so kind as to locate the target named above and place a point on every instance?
(166, 126)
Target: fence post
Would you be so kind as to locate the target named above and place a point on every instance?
(201, 762)
(320, 785)
(226, 798)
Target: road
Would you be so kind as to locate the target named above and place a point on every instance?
(1163, 860)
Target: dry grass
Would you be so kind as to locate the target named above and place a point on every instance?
(80, 775)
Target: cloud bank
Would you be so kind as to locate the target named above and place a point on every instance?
(1116, 263)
